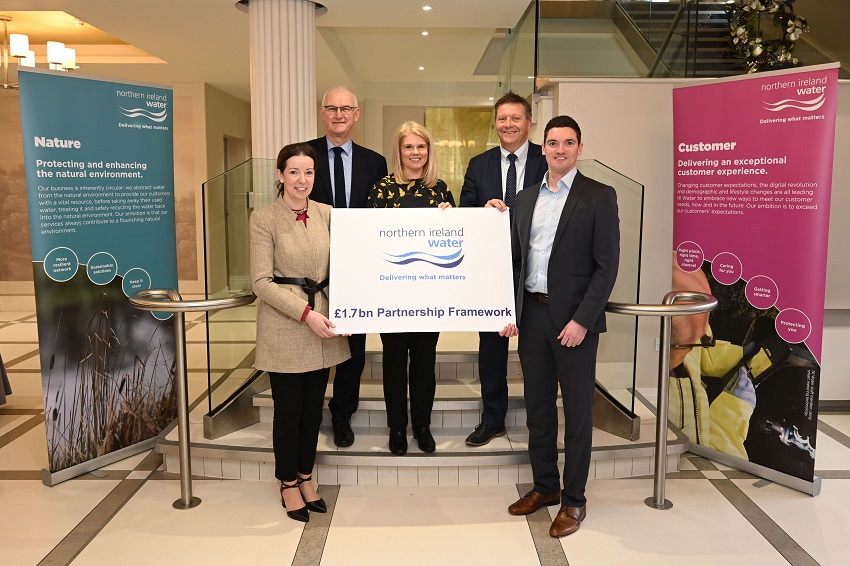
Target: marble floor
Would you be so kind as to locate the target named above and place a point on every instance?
(122, 514)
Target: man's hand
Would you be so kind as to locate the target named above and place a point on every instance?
(509, 331)
(572, 335)
(444, 205)
(497, 204)
(320, 325)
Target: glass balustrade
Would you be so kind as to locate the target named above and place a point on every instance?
(228, 201)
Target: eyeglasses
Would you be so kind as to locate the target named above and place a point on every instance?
(705, 342)
(344, 109)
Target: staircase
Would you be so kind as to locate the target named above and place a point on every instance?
(700, 44)
(247, 453)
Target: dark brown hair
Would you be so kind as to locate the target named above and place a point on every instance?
(511, 97)
(292, 150)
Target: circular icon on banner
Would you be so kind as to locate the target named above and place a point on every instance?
(762, 292)
(135, 280)
(726, 268)
(102, 268)
(689, 256)
(793, 326)
(60, 264)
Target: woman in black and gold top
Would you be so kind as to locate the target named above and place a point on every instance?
(412, 184)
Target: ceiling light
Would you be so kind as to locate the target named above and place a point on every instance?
(531, 77)
(17, 45)
(491, 98)
(427, 8)
(79, 23)
(421, 68)
(424, 33)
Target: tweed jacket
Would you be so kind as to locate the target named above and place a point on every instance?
(282, 246)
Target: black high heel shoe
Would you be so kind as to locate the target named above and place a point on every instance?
(301, 514)
(317, 506)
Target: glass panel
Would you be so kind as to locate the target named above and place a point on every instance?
(516, 71)
(582, 47)
(228, 202)
(615, 368)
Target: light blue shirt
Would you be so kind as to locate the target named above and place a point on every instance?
(544, 224)
(346, 167)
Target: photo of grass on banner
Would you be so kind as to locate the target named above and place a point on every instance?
(100, 188)
(753, 176)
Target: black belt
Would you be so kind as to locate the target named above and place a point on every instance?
(541, 298)
(308, 285)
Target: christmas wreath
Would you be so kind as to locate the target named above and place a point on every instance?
(745, 19)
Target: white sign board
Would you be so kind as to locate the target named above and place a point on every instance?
(420, 270)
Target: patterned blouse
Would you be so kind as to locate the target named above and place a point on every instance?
(388, 193)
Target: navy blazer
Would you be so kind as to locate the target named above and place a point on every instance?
(585, 253)
(483, 179)
(367, 168)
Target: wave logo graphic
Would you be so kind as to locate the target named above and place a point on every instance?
(444, 261)
(144, 113)
(804, 105)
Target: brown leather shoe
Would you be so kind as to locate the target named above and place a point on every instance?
(532, 501)
(567, 521)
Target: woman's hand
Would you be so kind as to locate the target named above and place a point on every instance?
(497, 204)
(320, 325)
(509, 331)
(444, 205)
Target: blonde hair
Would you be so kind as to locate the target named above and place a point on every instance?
(429, 177)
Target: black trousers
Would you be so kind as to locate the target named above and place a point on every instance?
(298, 400)
(493, 374)
(422, 347)
(546, 365)
(346, 393)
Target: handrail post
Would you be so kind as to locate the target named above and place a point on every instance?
(169, 300)
(697, 303)
(186, 500)
(657, 500)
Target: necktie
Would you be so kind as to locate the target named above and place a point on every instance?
(339, 180)
(510, 186)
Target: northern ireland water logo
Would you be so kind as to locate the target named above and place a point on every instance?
(444, 261)
(809, 105)
(145, 113)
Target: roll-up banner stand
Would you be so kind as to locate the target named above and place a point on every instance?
(100, 186)
(753, 174)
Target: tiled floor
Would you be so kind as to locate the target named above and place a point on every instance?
(719, 516)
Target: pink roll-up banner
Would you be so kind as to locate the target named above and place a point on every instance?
(753, 174)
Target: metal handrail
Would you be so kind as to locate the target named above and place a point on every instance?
(682, 5)
(169, 300)
(697, 303)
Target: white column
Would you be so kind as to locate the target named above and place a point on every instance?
(283, 74)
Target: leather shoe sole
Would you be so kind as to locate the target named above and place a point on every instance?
(532, 501)
(567, 521)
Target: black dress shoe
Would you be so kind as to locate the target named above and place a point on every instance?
(317, 505)
(484, 433)
(343, 435)
(301, 514)
(398, 442)
(426, 441)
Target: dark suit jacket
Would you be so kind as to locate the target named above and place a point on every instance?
(367, 168)
(585, 253)
(483, 179)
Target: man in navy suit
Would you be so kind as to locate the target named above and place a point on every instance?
(345, 173)
(499, 173)
(566, 250)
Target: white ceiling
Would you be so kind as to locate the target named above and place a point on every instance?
(374, 45)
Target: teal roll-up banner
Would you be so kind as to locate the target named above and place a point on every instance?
(100, 186)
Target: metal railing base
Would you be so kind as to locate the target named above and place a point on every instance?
(650, 502)
(181, 505)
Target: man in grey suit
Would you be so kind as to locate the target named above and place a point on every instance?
(566, 250)
(345, 173)
(499, 173)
